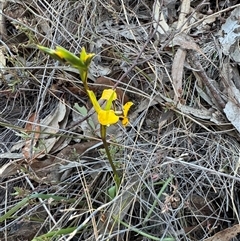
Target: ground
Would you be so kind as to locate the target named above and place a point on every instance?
(178, 158)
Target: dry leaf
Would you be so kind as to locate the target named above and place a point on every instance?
(230, 34)
(33, 130)
(11, 155)
(3, 29)
(50, 124)
(2, 61)
(186, 42)
(179, 58)
(226, 234)
(177, 73)
(232, 112)
(203, 211)
(46, 140)
(9, 169)
(164, 118)
(185, 9)
(46, 171)
(49, 170)
(62, 141)
(232, 108)
(200, 113)
(160, 22)
(18, 146)
(201, 27)
(45, 146)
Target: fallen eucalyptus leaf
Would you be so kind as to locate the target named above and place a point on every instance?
(232, 108)
(159, 20)
(230, 34)
(50, 124)
(226, 234)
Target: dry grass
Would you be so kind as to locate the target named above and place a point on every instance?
(180, 171)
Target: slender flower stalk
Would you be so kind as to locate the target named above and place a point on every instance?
(103, 131)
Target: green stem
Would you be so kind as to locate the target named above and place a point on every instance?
(105, 144)
(83, 76)
(116, 177)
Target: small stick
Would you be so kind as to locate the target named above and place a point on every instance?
(201, 72)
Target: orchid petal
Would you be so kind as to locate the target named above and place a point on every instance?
(109, 93)
(126, 108)
(86, 57)
(107, 117)
(94, 101)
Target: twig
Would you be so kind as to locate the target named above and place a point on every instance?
(201, 72)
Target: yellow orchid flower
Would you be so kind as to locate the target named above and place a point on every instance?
(106, 116)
